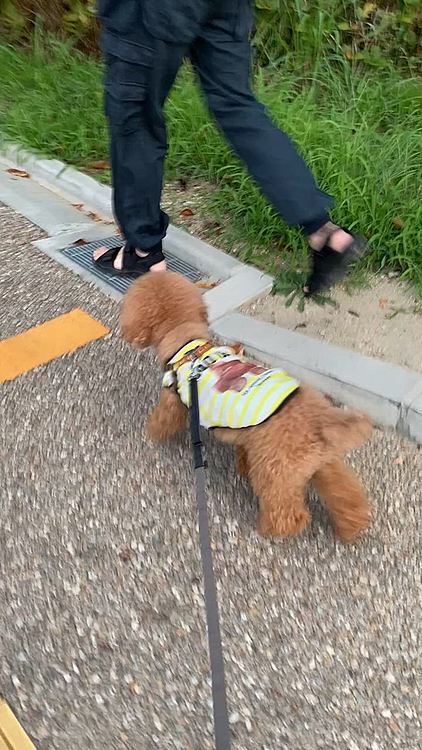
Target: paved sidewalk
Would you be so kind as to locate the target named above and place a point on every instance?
(102, 620)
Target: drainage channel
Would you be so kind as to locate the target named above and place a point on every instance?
(81, 255)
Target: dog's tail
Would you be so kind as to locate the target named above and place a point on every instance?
(344, 431)
(344, 498)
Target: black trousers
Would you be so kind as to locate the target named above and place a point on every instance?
(144, 47)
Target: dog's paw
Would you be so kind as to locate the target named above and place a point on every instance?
(168, 419)
(353, 522)
(287, 524)
(156, 430)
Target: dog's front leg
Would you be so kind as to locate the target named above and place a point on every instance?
(169, 417)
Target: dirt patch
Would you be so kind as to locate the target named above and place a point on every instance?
(187, 204)
(383, 320)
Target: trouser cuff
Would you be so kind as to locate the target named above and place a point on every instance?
(316, 224)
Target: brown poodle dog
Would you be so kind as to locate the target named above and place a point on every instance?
(303, 442)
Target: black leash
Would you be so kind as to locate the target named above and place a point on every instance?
(219, 699)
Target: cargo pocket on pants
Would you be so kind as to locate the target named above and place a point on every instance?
(244, 23)
(127, 78)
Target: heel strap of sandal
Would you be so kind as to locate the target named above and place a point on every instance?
(133, 261)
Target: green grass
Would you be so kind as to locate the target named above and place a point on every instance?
(361, 134)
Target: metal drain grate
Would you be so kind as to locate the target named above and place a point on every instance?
(82, 256)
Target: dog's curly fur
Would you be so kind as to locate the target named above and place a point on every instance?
(304, 442)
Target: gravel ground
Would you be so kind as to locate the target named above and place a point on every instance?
(102, 622)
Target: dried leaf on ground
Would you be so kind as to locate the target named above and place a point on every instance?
(383, 303)
(398, 222)
(125, 554)
(134, 687)
(368, 9)
(79, 242)
(17, 172)
(101, 164)
(213, 226)
(206, 284)
(104, 645)
(94, 216)
(187, 212)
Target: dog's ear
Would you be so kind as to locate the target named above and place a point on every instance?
(203, 314)
(135, 330)
(139, 336)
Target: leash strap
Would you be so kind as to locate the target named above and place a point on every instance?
(219, 699)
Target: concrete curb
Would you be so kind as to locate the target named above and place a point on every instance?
(413, 424)
(239, 283)
(58, 177)
(391, 395)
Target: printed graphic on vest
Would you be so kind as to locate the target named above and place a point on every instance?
(232, 392)
(235, 375)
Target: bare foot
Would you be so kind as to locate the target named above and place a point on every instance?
(118, 261)
(330, 234)
(333, 237)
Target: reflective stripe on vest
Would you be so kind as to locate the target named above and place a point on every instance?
(232, 392)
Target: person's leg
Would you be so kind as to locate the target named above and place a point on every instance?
(140, 71)
(221, 57)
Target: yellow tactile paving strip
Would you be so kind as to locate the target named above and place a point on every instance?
(46, 342)
(12, 736)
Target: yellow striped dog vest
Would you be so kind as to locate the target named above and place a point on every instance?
(231, 391)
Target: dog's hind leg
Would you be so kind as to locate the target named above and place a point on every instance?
(282, 514)
(281, 495)
(344, 497)
(279, 475)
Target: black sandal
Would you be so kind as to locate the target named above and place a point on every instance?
(329, 266)
(133, 264)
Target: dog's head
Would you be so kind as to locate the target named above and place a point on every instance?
(159, 303)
